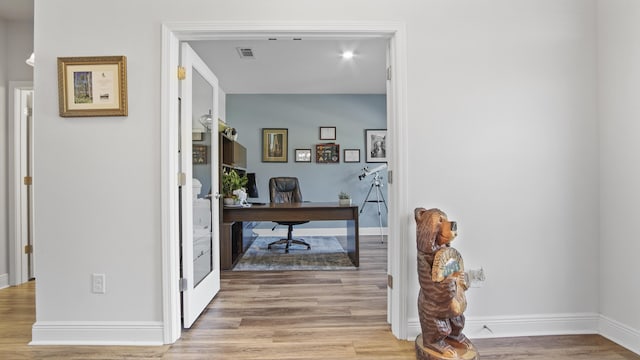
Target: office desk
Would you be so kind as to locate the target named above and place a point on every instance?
(310, 211)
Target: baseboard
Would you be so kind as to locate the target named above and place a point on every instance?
(4, 281)
(620, 334)
(533, 325)
(282, 231)
(144, 333)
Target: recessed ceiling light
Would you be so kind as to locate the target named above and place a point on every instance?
(347, 55)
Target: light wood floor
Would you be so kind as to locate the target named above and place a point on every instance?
(292, 315)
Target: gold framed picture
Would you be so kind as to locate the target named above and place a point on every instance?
(92, 86)
(275, 145)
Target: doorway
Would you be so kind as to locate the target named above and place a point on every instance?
(21, 97)
(396, 121)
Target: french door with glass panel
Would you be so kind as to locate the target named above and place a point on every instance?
(199, 210)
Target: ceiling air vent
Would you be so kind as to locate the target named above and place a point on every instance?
(245, 53)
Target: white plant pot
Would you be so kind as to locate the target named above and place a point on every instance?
(344, 202)
(229, 201)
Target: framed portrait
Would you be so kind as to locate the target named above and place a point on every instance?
(328, 153)
(274, 145)
(327, 133)
(303, 155)
(352, 155)
(92, 86)
(375, 144)
(200, 154)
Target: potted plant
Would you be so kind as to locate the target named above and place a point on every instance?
(344, 199)
(232, 181)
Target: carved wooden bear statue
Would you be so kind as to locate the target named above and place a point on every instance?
(441, 302)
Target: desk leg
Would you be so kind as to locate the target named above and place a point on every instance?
(353, 240)
(226, 257)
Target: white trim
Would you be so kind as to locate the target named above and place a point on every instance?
(400, 217)
(4, 281)
(172, 34)
(282, 231)
(15, 222)
(169, 187)
(619, 333)
(126, 333)
(529, 325)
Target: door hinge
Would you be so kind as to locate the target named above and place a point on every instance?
(390, 281)
(28, 249)
(390, 177)
(182, 284)
(389, 73)
(28, 180)
(28, 111)
(182, 73)
(182, 179)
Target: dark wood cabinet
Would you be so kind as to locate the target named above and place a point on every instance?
(233, 154)
(235, 237)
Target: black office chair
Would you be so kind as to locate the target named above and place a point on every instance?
(286, 190)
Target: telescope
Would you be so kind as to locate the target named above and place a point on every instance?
(366, 171)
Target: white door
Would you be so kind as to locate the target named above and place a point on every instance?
(200, 250)
(21, 218)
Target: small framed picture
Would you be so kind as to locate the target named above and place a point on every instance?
(200, 154)
(303, 155)
(92, 86)
(375, 144)
(274, 145)
(196, 136)
(327, 133)
(352, 155)
(328, 153)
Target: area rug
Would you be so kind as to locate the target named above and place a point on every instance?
(326, 253)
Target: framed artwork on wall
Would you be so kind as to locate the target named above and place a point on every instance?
(303, 155)
(375, 144)
(274, 145)
(328, 153)
(352, 155)
(92, 86)
(200, 154)
(327, 133)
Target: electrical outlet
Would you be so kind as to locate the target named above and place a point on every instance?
(98, 285)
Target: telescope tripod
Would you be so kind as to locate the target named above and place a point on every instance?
(375, 183)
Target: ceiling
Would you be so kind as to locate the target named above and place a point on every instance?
(16, 10)
(287, 66)
(281, 65)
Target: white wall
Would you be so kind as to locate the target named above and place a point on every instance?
(4, 225)
(503, 137)
(619, 84)
(20, 47)
(16, 44)
(502, 102)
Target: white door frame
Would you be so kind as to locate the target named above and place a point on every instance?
(399, 219)
(18, 260)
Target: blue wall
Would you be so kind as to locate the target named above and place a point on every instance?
(303, 115)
